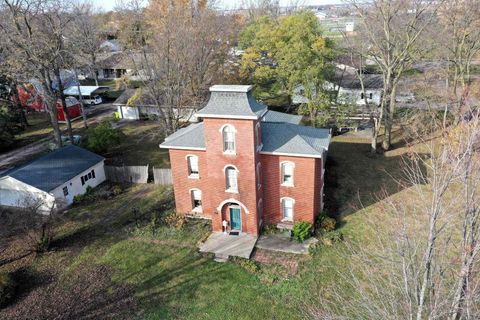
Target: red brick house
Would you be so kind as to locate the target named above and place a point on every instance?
(247, 165)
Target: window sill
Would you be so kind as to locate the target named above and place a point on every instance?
(231, 191)
(289, 185)
(229, 153)
(194, 176)
(287, 220)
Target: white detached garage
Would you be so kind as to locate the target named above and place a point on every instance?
(52, 180)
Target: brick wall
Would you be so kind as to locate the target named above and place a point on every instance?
(304, 191)
(215, 199)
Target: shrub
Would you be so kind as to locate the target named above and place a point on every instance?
(7, 288)
(270, 229)
(175, 220)
(87, 196)
(328, 224)
(102, 137)
(117, 190)
(301, 230)
(247, 264)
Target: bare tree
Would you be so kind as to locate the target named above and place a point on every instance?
(459, 43)
(425, 266)
(178, 50)
(392, 29)
(34, 31)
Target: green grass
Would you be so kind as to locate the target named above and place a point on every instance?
(172, 281)
(141, 146)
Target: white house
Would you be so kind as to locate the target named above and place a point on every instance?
(53, 180)
(349, 88)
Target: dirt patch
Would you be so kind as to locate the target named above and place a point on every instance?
(288, 262)
(86, 293)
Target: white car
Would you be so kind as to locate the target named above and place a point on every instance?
(92, 100)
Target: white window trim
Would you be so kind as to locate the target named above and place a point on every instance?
(194, 175)
(196, 209)
(234, 152)
(287, 184)
(225, 177)
(282, 209)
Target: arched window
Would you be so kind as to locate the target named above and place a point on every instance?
(287, 173)
(228, 133)
(196, 196)
(192, 162)
(231, 178)
(287, 208)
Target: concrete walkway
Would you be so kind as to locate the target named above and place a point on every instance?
(282, 242)
(224, 245)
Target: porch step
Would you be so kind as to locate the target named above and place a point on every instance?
(219, 257)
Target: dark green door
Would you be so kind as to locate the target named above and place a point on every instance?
(235, 219)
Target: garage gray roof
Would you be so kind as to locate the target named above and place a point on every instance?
(57, 167)
(191, 137)
(274, 116)
(232, 101)
(287, 138)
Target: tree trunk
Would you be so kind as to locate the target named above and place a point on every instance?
(64, 105)
(389, 115)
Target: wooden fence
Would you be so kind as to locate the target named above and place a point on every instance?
(132, 174)
(162, 176)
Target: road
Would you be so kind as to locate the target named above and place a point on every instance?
(94, 115)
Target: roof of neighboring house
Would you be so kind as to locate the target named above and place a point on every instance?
(191, 137)
(57, 167)
(142, 100)
(274, 116)
(85, 90)
(350, 80)
(287, 138)
(232, 101)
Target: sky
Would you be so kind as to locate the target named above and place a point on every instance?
(110, 4)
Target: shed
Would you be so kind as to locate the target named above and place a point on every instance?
(52, 180)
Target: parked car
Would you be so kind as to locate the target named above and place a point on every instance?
(92, 100)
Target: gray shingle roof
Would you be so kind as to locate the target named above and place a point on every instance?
(189, 137)
(231, 102)
(274, 116)
(57, 167)
(294, 139)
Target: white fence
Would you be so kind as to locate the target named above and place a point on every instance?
(132, 174)
(162, 176)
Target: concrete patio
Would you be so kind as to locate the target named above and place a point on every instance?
(224, 245)
(282, 242)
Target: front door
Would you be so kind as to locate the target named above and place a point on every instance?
(235, 219)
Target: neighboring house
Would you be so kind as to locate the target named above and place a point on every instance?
(133, 104)
(115, 65)
(349, 88)
(246, 165)
(53, 180)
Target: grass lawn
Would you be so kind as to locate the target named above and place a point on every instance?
(121, 269)
(39, 127)
(140, 146)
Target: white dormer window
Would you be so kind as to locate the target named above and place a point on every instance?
(231, 179)
(192, 162)
(287, 173)
(228, 133)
